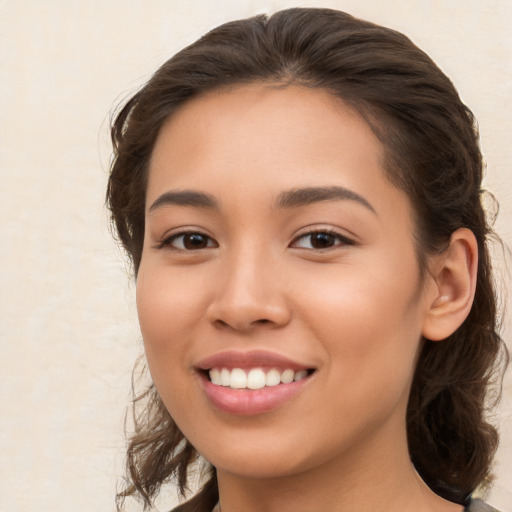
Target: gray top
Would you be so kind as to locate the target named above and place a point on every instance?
(477, 505)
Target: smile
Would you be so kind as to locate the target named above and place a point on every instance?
(255, 382)
(255, 378)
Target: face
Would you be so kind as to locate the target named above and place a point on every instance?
(279, 293)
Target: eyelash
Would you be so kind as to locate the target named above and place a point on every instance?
(167, 242)
(331, 235)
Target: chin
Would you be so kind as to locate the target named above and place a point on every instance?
(259, 466)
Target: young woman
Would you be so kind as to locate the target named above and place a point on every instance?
(300, 196)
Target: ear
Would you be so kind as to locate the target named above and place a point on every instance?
(453, 280)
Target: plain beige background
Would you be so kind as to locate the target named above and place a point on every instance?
(68, 327)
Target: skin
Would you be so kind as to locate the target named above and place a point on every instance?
(354, 309)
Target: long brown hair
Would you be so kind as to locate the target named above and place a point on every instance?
(433, 154)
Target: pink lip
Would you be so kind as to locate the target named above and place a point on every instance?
(252, 359)
(248, 402)
(245, 401)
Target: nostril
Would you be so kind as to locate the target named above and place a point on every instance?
(247, 315)
(223, 323)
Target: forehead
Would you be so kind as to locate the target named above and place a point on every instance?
(264, 127)
(255, 141)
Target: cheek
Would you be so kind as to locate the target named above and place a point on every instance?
(166, 317)
(368, 320)
(370, 335)
(167, 306)
(168, 301)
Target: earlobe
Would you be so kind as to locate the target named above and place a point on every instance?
(453, 275)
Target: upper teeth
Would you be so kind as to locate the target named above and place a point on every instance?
(256, 378)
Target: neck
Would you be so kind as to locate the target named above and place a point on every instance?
(369, 479)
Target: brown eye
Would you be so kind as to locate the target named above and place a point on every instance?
(195, 241)
(192, 241)
(319, 240)
(322, 240)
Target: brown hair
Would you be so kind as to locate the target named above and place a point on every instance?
(433, 154)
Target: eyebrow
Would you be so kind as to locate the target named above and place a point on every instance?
(293, 198)
(298, 197)
(185, 198)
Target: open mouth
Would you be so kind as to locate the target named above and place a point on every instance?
(254, 378)
(253, 382)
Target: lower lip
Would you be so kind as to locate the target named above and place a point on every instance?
(248, 402)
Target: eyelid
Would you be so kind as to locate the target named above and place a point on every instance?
(168, 238)
(345, 240)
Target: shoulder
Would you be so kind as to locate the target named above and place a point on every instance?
(186, 506)
(476, 505)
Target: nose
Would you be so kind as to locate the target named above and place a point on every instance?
(251, 294)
